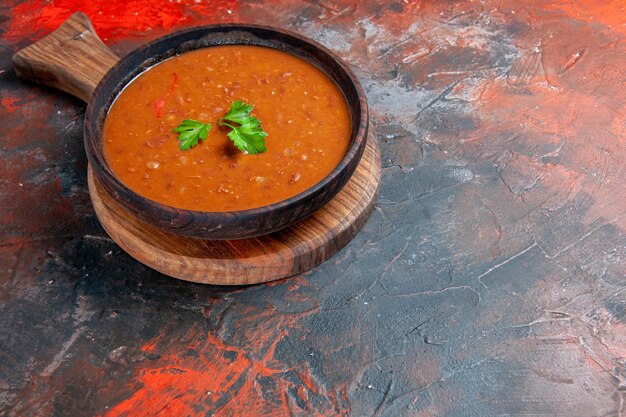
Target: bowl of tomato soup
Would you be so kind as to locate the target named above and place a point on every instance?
(226, 131)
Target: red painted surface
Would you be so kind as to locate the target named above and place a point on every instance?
(221, 376)
(8, 103)
(610, 13)
(489, 281)
(116, 20)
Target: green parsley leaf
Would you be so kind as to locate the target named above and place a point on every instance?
(248, 136)
(190, 132)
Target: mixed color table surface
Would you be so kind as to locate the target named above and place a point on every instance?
(489, 281)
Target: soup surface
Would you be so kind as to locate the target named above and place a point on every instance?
(303, 112)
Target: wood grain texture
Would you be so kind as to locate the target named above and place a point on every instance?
(72, 58)
(254, 260)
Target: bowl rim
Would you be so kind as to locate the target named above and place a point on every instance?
(171, 214)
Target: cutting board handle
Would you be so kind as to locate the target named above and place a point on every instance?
(72, 58)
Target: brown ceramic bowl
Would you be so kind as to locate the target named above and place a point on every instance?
(236, 224)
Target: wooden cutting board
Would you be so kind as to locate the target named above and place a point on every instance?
(84, 61)
(291, 251)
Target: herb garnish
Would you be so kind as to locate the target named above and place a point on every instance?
(190, 132)
(246, 131)
(249, 135)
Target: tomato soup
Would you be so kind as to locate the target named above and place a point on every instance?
(304, 113)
